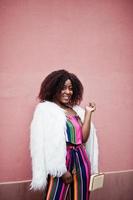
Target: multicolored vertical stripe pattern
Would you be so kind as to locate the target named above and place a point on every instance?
(74, 129)
(78, 164)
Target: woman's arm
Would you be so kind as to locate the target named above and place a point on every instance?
(87, 121)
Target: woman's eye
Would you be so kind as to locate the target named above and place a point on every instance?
(64, 88)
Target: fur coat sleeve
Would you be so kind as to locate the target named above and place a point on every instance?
(47, 144)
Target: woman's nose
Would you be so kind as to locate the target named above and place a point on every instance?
(67, 91)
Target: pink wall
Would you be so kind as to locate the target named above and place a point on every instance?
(93, 39)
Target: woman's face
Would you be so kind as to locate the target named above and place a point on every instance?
(66, 93)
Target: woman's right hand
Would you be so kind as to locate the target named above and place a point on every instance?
(67, 177)
(91, 107)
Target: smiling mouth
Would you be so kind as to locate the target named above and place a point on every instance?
(66, 97)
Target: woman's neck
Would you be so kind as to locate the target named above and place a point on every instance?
(64, 106)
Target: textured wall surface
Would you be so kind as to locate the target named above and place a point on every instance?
(90, 38)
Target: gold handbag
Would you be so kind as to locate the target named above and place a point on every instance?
(96, 181)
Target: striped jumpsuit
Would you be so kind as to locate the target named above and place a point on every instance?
(76, 162)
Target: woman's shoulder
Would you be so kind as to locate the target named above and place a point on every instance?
(80, 111)
(49, 112)
(40, 106)
(49, 107)
(45, 104)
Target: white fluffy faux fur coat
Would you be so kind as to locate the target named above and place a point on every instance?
(48, 146)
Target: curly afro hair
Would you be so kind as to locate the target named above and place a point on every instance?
(53, 84)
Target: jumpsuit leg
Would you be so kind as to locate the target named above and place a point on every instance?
(57, 189)
(81, 174)
(78, 164)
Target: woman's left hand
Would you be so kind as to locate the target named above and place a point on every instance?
(91, 107)
(67, 177)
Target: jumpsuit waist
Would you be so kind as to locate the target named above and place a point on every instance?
(73, 146)
(74, 149)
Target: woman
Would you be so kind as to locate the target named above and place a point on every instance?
(60, 164)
